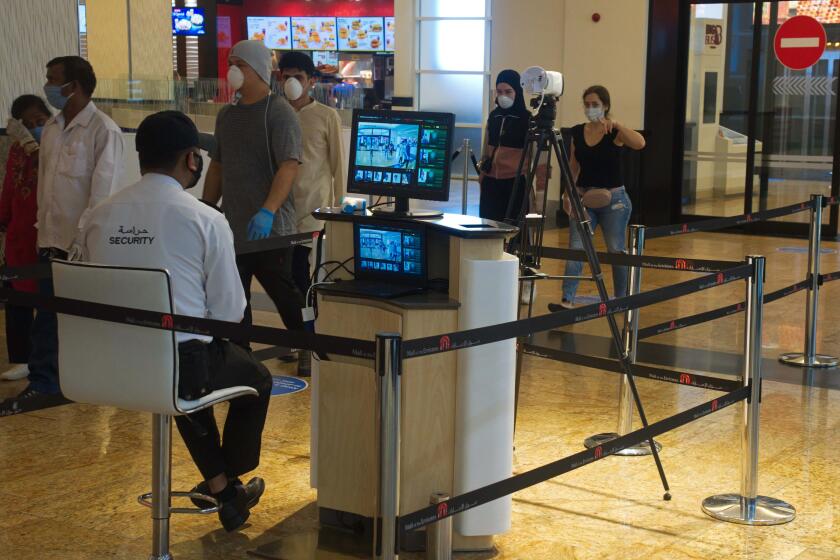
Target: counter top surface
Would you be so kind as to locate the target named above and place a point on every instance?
(458, 225)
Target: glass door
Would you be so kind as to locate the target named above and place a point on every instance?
(757, 134)
(796, 115)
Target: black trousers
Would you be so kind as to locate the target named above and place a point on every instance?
(43, 359)
(18, 333)
(238, 452)
(495, 197)
(273, 270)
(300, 267)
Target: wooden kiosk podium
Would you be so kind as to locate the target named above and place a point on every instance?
(344, 437)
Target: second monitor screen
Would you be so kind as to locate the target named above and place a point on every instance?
(404, 155)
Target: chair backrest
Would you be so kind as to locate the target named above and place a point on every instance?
(105, 363)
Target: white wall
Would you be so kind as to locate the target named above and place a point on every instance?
(32, 33)
(611, 52)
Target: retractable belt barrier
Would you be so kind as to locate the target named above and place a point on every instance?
(272, 243)
(644, 261)
(29, 272)
(723, 223)
(639, 370)
(829, 277)
(691, 320)
(494, 491)
(513, 329)
(322, 344)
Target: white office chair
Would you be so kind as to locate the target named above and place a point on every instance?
(130, 367)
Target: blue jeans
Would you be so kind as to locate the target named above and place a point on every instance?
(613, 219)
(43, 361)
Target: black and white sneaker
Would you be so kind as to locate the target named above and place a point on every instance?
(30, 400)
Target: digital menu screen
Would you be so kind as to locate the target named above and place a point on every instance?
(361, 34)
(314, 33)
(389, 33)
(274, 32)
(188, 21)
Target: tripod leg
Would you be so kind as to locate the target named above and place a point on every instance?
(580, 220)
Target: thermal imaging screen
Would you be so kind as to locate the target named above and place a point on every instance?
(384, 145)
(394, 250)
(400, 150)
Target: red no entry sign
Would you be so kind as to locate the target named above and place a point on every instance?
(799, 42)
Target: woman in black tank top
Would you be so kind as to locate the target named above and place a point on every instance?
(595, 156)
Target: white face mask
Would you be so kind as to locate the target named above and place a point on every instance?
(504, 101)
(235, 77)
(292, 89)
(594, 114)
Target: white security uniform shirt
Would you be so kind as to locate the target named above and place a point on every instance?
(78, 167)
(320, 178)
(157, 224)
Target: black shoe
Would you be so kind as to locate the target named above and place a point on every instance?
(304, 368)
(30, 400)
(235, 512)
(254, 488)
(202, 488)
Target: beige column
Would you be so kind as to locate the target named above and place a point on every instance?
(130, 40)
(405, 79)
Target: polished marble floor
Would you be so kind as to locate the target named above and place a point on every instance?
(70, 475)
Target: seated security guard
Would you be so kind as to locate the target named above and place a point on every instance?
(157, 224)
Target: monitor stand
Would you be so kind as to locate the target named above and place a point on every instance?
(401, 210)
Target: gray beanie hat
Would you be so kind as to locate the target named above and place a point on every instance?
(256, 55)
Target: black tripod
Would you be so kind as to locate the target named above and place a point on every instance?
(543, 137)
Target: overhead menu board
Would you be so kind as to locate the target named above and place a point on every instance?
(274, 32)
(313, 33)
(389, 33)
(361, 34)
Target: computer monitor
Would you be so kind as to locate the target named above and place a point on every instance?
(389, 250)
(403, 154)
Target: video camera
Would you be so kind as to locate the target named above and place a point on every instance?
(548, 85)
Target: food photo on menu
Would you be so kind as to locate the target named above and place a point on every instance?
(361, 34)
(390, 28)
(314, 33)
(274, 32)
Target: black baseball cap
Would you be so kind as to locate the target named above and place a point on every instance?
(169, 132)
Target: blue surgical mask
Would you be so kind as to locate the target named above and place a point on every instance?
(594, 114)
(36, 133)
(54, 96)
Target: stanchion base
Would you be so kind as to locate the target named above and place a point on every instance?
(734, 509)
(798, 359)
(638, 450)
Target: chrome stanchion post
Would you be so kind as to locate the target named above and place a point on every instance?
(439, 534)
(465, 153)
(810, 358)
(388, 370)
(748, 508)
(161, 485)
(631, 331)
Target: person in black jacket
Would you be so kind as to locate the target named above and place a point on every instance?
(505, 138)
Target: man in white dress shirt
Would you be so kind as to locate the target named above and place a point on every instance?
(157, 224)
(79, 166)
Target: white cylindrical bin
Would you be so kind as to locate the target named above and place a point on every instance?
(485, 392)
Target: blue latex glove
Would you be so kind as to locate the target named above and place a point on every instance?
(260, 225)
